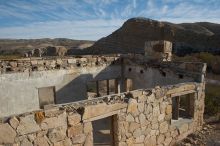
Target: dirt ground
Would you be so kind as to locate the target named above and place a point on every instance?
(208, 136)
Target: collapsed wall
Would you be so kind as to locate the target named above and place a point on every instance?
(28, 84)
(62, 79)
(143, 117)
(48, 102)
(159, 49)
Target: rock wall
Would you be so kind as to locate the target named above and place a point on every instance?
(43, 64)
(148, 119)
(159, 50)
(142, 117)
(21, 89)
(21, 79)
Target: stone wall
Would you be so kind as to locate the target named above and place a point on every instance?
(42, 64)
(142, 117)
(148, 118)
(21, 79)
(69, 80)
(161, 50)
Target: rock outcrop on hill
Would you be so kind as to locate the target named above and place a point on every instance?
(130, 38)
(187, 37)
(24, 46)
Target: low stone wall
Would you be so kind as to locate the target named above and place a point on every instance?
(42, 64)
(147, 119)
(142, 117)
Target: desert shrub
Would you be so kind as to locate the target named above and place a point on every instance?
(212, 99)
(213, 61)
(205, 57)
(186, 58)
(215, 65)
(212, 93)
(9, 57)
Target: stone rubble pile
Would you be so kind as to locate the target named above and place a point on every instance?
(201, 138)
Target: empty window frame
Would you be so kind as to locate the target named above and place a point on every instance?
(46, 96)
(92, 89)
(113, 86)
(102, 88)
(183, 107)
(128, 84)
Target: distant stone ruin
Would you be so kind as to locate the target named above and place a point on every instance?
(47, 51)
(122, 100)
(159, 50)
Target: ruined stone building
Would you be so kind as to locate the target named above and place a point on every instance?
(120, 100)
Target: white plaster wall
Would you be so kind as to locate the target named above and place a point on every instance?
(19, 91)
(152, 77)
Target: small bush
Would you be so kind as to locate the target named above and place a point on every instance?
(212, 99)
(9, 57)
(213, 61)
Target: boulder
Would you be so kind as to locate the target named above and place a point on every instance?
(163, 127)
(27, 125)
(57, 134)
(7, 134)
(132, 106)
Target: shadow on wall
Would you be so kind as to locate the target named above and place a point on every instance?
(76, 89)
(142, 77)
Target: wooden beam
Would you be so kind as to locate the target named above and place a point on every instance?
(175, 107)
(126, 84)
(190, 104)
(116, 85)
(107, 85)
(97, 88)
(182, 93)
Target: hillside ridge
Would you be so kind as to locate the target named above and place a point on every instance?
(187, 37)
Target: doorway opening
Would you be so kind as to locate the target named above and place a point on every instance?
(103, 131)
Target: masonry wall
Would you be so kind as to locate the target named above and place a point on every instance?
(143, 77)
(21, 86)
(142, 117)
(21, 79)
(147, 121)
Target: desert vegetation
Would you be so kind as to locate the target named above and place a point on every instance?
(212, 99)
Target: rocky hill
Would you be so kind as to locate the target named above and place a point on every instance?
(187, 37)
(130, 38)
(20, 46)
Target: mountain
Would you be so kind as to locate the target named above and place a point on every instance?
(186, 37)
(130, 38)
(20, 46)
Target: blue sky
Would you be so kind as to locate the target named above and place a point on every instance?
(93, 19)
